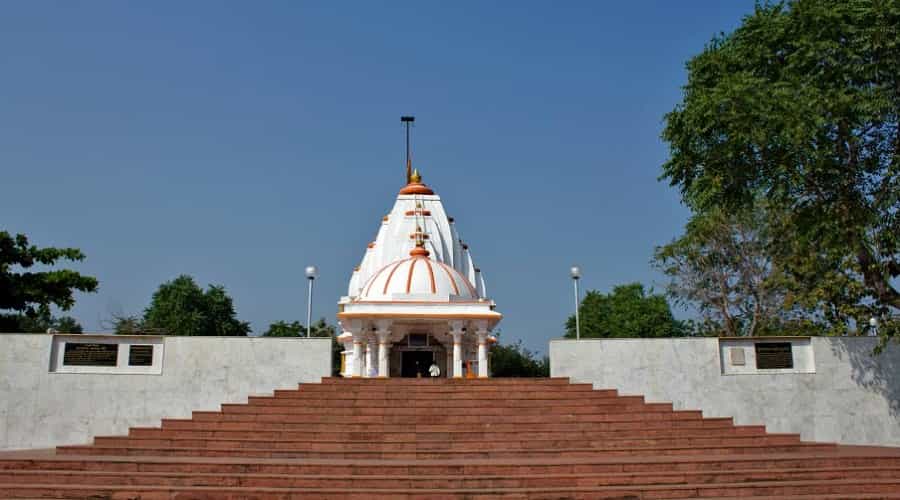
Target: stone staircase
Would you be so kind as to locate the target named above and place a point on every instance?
(446, 438)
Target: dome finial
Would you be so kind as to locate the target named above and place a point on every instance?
(419, 250)
(416, 177)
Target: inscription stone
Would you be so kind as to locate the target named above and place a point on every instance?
(90, 354)
(140, 355)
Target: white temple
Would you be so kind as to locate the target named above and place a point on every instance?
(417, 298)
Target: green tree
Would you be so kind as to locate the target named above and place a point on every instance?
(514, 360)
(320, 328)
(28, 294)
(40, 324)
(799, 106)
(626, 312)
(180, 307)
(723, 268)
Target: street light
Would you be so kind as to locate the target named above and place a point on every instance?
(311, 274)
(873, 324)
(575, 272)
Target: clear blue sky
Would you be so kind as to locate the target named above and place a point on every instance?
(238, 142)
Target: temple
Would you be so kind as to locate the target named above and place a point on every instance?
(417, 298)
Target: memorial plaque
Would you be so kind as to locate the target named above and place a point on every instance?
(85, 354)
(140, 355)
(774, 355)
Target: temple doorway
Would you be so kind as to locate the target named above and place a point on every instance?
(416, 363)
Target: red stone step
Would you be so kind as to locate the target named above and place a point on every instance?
(838, 458)
(325, 402)
(457, 435)
(458, 420)
(455, 445)
(785, 489)
(437, 481)
(379, 454)
(500, 426)
(233, 408)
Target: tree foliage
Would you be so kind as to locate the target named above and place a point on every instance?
(320, 328)
(27, 294)
(180, 307)
(629, 311)
(42, 324)
(723, 268)
(799, 107)
(514, 360)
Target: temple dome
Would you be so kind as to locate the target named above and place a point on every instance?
(417, 279)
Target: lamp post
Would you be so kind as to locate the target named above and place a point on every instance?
(311, 274)
(575, 272)
(873, 326)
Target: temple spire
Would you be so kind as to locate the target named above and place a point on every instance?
(408, 120)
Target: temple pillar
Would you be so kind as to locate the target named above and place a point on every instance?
(357, 355)
(383, 332)
(482, 353)
(457, 333)
(370, 356)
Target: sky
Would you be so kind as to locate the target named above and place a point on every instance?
(239, 142)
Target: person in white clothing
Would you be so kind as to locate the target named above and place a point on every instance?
(434, 370)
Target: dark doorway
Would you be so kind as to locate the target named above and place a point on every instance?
(416, 363)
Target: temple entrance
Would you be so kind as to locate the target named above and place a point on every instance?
(416, 363)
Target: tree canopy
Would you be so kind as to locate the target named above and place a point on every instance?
(799, 107)
(628, 311)
(28, 294)
(320, 328)
(722, 267)
(514, 360)
(180, 307)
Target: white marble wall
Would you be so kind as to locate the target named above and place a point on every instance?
(40, 409)
(852, 397)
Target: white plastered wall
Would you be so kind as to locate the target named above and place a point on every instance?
(842, 393)
(40, 409)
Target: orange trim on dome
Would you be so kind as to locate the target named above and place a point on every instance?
(431, 275)
(423, 213)
(450, 275)
(412, 266)
(372, 280)
(416, 188)
(388, 281)
(371, 245)
(419, 251)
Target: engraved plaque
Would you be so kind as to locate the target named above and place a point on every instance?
(774, 355)
(737, 356)
(85, 354)
(140, 355)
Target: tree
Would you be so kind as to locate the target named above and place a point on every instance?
(722, 267)
(30, 294)
(319, 329)
(180, 307)
(295, 329)
(514, 360)
(799, 107)
(40, 324)
(626, 312)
